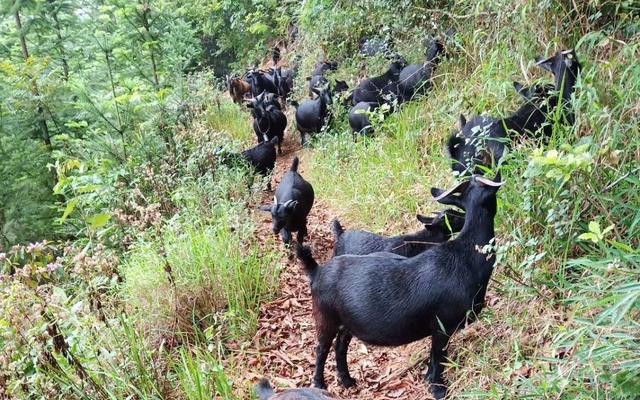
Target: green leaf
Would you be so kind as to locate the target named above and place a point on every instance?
(589, 236)
(99, 220)
(69, 209)
(594, 227)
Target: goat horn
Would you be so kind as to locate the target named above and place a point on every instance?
(544, 60)
(489, 182)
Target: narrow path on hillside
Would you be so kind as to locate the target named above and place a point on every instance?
(283, 347)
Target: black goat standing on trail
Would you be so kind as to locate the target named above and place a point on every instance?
(380, 89)
(313, 114)
(265, 392)
(415, 79)
(292, 203)
(263, 157)
(285, 82)
(388, 300)
(436, 230)
(268, 120)
(482, 141)
(262, 82)
(317, 78)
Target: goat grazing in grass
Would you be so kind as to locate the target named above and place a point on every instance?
(415, 79)
(386, 299)
(380, 88)
(317, 78)
(436, 230)
(292, 203)
(265, 392)
(262, 157)
(482, 141)
(565, 68)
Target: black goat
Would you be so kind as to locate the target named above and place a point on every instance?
(268, 120)
(313, 114)
(415, 79)
(481, 142)
(285, 80)
(380, 89)
(265, 392)
(388, 300)
(317, 78)
(262, 82)
(565, 68)
(359, 118)
(436, 230)
(292, 202)
(263, 157)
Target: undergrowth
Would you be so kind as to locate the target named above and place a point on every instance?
(157, 280)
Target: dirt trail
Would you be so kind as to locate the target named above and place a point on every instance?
(284, 345)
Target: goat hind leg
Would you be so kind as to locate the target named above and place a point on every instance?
(342, 345)
(322, 351)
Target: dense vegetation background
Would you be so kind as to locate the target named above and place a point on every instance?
(128, 263)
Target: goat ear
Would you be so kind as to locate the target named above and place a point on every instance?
(428, 221)
(463, 121)
(450, 196)
(290, 205)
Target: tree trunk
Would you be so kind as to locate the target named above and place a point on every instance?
(145, 24)
(42, 120)
(65, 65)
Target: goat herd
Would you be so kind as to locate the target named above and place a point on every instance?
(396, 290)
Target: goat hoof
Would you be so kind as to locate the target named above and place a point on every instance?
(347, 382)
(320, 385)
(439, 391)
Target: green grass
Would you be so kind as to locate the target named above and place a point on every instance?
(558, 294)
(564, 301)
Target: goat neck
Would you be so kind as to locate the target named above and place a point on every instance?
(478, 229)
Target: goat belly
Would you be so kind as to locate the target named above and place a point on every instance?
(383, 304)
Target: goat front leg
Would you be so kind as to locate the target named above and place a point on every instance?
(302, 232)
(439, 342)
(342, 345)
(285, 235)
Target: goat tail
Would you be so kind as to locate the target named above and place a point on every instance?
(264, 389)
(304, 254)
(294, 165)
(336, 228)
